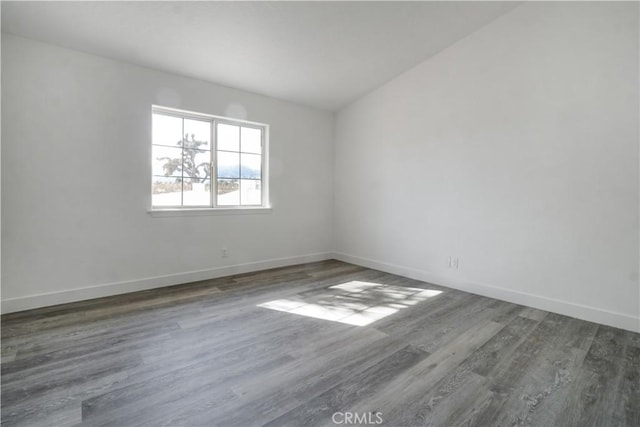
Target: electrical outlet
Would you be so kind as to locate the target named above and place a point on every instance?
(455, 263)
(449, 262)
(224, 252)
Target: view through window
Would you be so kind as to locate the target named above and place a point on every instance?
(201, 161)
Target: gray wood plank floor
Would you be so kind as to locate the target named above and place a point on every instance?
(257, 349)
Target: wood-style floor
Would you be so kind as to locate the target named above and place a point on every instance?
(244, 351)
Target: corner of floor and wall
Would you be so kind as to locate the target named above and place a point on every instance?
(506, 165)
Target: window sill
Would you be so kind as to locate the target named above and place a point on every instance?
(208, 211)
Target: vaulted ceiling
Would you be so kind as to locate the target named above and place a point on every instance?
(320, 54)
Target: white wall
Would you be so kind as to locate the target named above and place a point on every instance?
(516, 150)
(76, 184)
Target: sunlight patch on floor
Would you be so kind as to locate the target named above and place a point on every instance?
(354, 303)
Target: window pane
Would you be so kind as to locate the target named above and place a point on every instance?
(184, 149)
(228, 192)
(197, 164)
(251, 166)
(251, 192)
(167, 130)
(251, 140)
(166, 161)
(167, 191)
(228, 165)
(196, 192)
(228, 137)
(198, 134)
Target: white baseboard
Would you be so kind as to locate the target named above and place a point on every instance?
(108, 289)
(579, 311)
(592, 314)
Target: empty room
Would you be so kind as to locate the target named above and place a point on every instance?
(320, 213)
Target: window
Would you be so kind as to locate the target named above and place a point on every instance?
(203, 161)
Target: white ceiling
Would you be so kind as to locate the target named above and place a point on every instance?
(321, 54)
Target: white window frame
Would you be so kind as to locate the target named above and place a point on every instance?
(213, 207)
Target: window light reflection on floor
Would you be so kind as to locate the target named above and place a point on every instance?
(354, 303)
